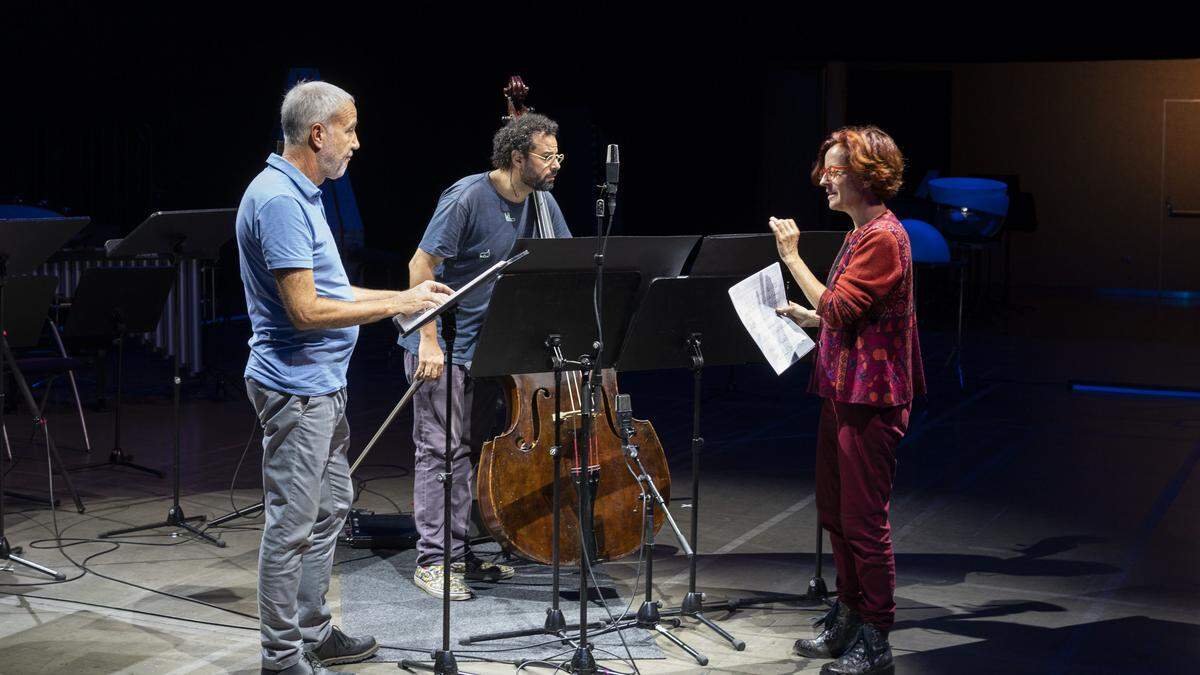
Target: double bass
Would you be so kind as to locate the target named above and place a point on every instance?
(517, 473)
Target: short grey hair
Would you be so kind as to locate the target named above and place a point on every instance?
(309, 103)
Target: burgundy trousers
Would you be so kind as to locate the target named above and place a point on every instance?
(856, 464)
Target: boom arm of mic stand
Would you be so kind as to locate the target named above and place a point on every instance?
(683, 542)
(412, 389)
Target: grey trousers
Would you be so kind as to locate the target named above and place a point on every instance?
(306, 493)
(429, 436)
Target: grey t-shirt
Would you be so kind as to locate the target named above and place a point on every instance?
(472, 228)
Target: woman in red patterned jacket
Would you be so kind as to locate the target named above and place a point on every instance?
(868, 369)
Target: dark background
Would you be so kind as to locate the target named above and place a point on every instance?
(718, 117)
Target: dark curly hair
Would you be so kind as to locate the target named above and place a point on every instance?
(874, 159)
(518, 135)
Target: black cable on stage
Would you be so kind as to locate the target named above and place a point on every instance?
(238, 469)
(60, 543)
(134, 611)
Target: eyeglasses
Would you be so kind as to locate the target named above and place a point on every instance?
(548, 157)
(834, 171)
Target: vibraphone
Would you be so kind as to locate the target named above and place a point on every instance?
(189, 305)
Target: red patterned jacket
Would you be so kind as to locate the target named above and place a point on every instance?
(869, 351)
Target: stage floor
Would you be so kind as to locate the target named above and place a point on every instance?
(1036, 529)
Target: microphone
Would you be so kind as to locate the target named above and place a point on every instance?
(625, 416)
(612, 169)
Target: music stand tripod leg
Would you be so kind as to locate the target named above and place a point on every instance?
(555, 623)
(175, 516)
(693, 603)
(117, 456)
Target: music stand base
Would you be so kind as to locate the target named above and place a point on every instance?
(547, 630)
(31, 498)
(443, 662)
(175, 518)
(582, 661)
(554, 622)
(234, 515)
(118, 458)
(817, 594)
(693, 608)
(9, 553)
(649, 618)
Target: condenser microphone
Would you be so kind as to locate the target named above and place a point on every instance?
(612, 169)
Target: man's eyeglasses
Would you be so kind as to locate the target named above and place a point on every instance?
(834, 171)
(548, 157)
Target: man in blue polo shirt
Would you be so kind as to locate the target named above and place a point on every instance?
(476, 223)
(305, 317)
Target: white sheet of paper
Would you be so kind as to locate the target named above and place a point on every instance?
(755, 298)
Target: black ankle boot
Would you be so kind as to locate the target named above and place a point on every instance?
(839, 628)
(870, 654)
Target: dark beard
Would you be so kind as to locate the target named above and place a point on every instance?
(532, 181)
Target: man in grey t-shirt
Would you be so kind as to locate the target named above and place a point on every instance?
(476, 223)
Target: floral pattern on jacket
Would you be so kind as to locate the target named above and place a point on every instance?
(869, 351)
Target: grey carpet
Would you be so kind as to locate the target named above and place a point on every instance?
(380, 599)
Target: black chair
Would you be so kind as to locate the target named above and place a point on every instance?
(27, 303)
(44, 369)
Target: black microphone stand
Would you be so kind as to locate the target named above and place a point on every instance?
(583, 661)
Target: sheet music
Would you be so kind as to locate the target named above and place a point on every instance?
(755, 298)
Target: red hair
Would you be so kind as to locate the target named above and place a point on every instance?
(874, 159)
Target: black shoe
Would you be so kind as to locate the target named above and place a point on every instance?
(839, 628)
(308, 664)
(341, 648)
(870, 654)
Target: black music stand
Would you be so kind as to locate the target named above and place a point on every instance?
(742, 255)
(24, 245)
(551, 314)
(443, 661)
(668, 333)
(28, 303)
(653, 257)
(112, 303)
(526, 338)
(177, 235)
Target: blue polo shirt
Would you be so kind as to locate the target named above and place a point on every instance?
(472, 228)
(281, 225)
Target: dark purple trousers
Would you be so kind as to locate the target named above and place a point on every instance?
(856, 465)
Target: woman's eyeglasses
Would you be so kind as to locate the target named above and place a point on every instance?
(834, 171)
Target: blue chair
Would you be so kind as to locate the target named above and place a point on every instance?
(929, 248)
